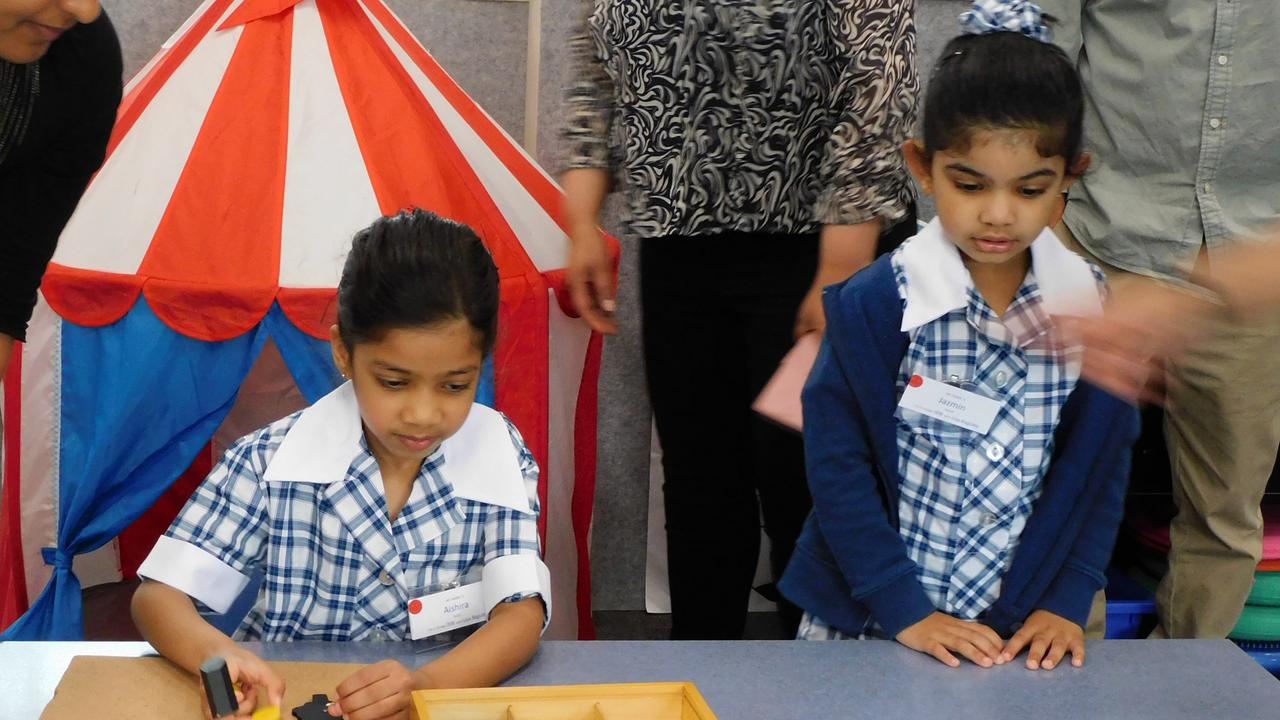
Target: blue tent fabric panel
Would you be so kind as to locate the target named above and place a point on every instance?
(310, 360)
(487, 394)
(139, 400)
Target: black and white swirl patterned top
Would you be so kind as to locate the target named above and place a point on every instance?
(750, 115)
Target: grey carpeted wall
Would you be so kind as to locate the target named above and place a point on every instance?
(484, 46)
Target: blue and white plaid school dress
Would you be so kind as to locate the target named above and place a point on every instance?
(302, 499)
(965, 497)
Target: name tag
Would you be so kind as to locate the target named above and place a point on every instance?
(950, 404)
(440, 612)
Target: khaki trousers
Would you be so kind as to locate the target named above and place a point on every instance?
(1222, 428)
(1095, 628)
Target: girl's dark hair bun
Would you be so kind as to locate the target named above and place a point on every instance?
(413, 269)
(1004, 80)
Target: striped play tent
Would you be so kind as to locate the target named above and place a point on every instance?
(245, 156)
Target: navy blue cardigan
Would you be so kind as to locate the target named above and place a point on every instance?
(850, 562)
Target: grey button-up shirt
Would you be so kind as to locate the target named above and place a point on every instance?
(1183, 117)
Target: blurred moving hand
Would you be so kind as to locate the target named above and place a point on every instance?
(1147, 322)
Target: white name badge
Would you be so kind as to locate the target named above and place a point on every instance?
(949, 403)
(446, 610)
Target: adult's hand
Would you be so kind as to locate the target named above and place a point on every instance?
(590, 272)
(843, 251)
(1145, 323)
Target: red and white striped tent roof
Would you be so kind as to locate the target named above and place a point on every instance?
(258, 141)
(247, 154)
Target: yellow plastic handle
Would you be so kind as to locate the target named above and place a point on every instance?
(270, 712)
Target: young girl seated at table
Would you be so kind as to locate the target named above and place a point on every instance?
(364, 507)
(967, 487)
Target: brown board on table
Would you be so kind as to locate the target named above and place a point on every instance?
(152, 688)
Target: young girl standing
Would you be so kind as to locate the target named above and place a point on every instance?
(366, 508)
(967, 487)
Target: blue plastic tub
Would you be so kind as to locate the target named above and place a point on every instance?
(1267, 654)
(1131, 608)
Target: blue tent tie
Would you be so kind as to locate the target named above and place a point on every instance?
(56, 558)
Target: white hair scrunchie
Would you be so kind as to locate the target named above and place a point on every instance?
(1020, 16)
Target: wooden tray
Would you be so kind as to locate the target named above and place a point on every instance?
(152, 688)
(629, 701)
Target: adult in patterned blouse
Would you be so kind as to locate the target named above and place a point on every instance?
(60, 86)
(758, 143)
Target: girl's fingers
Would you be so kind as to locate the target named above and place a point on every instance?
(1077, 652)
(1016, 643)
(1038, 647)
(986, 640)
(372, 693)
(359, 681)
(971, 651)
(982, 646)
(388, 707)
(244, 701)
(261, 678)
(1057, 649)
(939, 651)
(275, 689)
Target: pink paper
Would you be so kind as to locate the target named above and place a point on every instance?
(780, 399)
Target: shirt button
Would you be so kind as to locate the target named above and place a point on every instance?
(995, 452)
(1222, 59)
(954, 379)
(1001, 378)
(385, 578)
(1215, 123)
(988, 519)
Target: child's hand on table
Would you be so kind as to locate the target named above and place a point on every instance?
(940, 635)
(1051, 637)
(253, 678)
(377, 692)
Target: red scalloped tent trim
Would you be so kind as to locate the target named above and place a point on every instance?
(87, 297)
(208, 313)
(212, 314)
(311, 310)
(95, 299)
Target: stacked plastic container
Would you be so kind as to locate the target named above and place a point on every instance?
(1258, 631)
(1131, 608)
(1142, 550)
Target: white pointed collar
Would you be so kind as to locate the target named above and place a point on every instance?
(480, 460)
(938, 282)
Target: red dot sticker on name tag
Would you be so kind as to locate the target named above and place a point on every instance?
(415, 607)
(916, 381)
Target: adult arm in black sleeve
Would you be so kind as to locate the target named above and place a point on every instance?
(42, 184)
